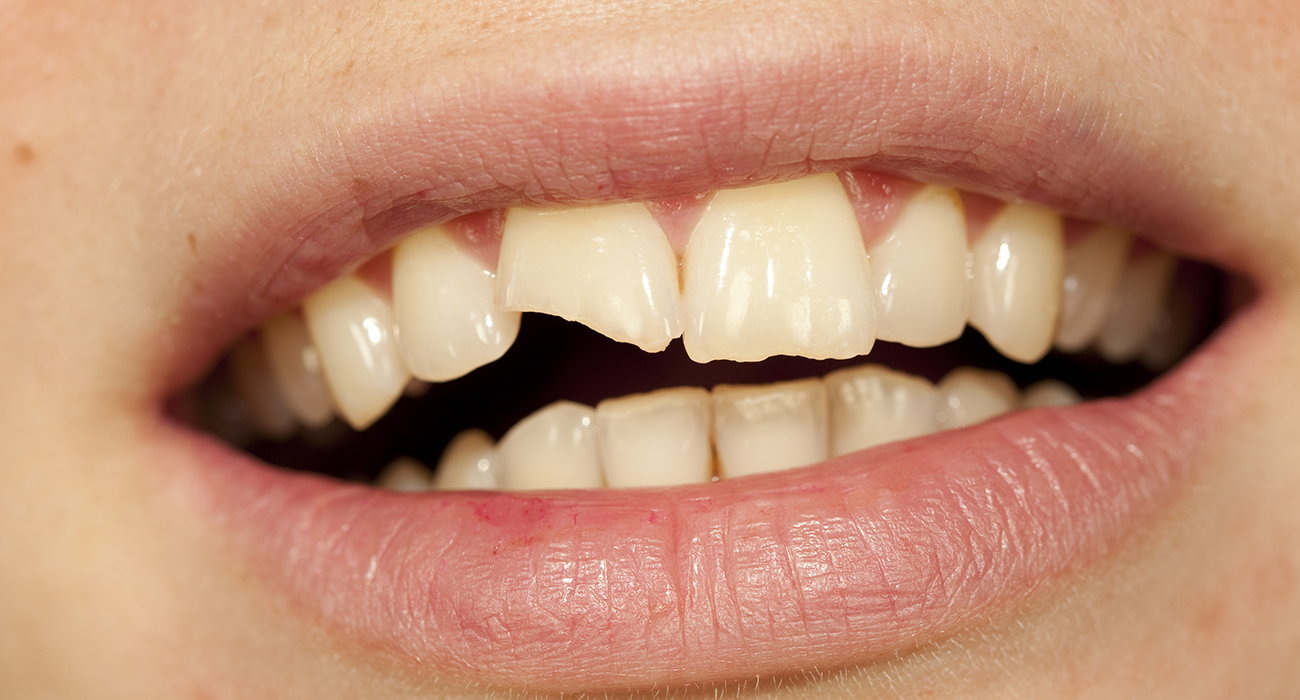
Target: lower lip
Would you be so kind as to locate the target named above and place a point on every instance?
(840, 563)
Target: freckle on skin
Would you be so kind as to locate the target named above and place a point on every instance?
(24, 153)
(194, 242)
(362, 185)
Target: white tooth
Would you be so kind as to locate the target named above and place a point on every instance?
(404, 474)
(656, 439)
(779, 270)
(1049, 392)
(1092, 270)
(447, 320)
(1016, 289)
(872, 405)
(470, 463)
(922, 274)
(257, 387)
(768, 428)
(968, 396)
(554, 448)
(608, 267)
(1174, 328)
(296, 366)
(1141, 297)
(352, 327)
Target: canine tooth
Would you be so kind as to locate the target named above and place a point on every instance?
(469, 463)
(447, 320)
(404, 474)
(968, 396)
(554, 448)
(609, 267)
(872, 405)
(768, 428)
(656, 439)
(256, 386)
(1092, 271)
(1049, 392)
(352, 327)
(295, 363)
(778, 270)
(1138, 303)
(922, 271)
(1016, 289)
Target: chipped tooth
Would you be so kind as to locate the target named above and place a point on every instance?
(1016, 288)
(968, 396)
(352, 327)
(267, 408)
(469, 463)
(872, 405)
(778, 270)
(296, 365)
(404, 474)
(554, 448)
(921, 270)
(609, 267)
(768, 428)
(656, 439)
(1049, 392)
(1138, 304)
(1093, 267)
(446, 318)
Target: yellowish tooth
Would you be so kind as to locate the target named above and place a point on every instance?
(968, 396)
(257, 387)
(1093, 267)
(295, 363)
(447, 320)
(922, 271)
(554, 448)
(778, 270)
(469, 463)
(656, 439)
(1138, 304)
(404, 474)
(1016, 290)
(769, 428)
(872, 405)
(1049, 392)
(352, 328)
(608, 267)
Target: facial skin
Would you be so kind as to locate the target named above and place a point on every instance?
(150, 152)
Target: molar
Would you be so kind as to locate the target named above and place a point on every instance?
(470, 462)
(768, 428)
(657, 439)
(872, 405)
(968, 396)
(1138, 303)
(404, 474)
(1092, 272)
(554, 448)
(1049, 392)
(267, 408)
(295, 362)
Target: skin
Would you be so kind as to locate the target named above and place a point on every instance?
(131, 133)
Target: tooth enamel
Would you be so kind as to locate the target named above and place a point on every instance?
(656, 439)
(921, 271)
(1016, 288)
(469, 463)
(554, 448)
(778, 270)
(608, 267)
(768, 428)
(404, 474)
(1049, 392)
(1138, 304)
(447, 321)
(269, 411)
(968, 396)
(351, 326)
(296, 365)
(1092, 271)
(872, 405)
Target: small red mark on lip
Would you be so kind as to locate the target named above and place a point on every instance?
(652, 518)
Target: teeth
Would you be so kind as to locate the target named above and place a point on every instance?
(768, 428)
(554, 448)
(778, 270)
(1138, 304)
(873, 405)
(269, 411)
(351, 326)
(608, 267)
(656, 439)
(447, 321)
(968, 396)
(296, 365)
(922, 272)
(1049, 392)
(1016, 290)
(1092, 273)
(469, 463)
(404, 474)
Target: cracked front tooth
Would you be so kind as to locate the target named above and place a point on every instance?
(968, 396)
(447, 320)
(1092, 271)
(921, 271)
(296, 365)
(469, 463)
(778, 270)
(608, 267)
(1016, 288)
(257, 387)
(1139, 302)
(656, 439)
(872, 405)
(352, 327)
(768, 428)
(1049, 392)
(404, 474)
(554, 448)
